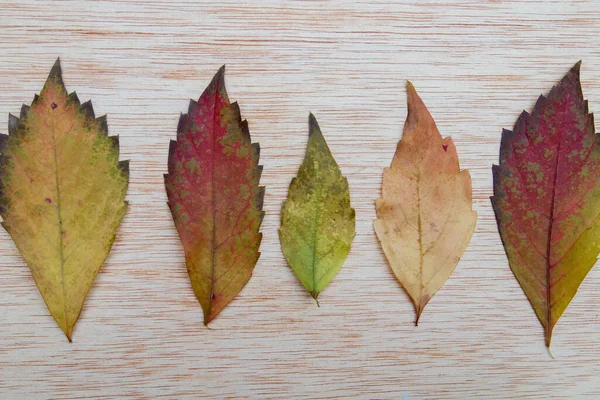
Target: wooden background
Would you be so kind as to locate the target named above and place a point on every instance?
(477, 64)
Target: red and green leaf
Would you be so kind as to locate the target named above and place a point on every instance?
(547, 198)
(215, 197)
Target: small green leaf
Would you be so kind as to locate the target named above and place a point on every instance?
(317, 222)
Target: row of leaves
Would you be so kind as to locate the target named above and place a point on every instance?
(63, 189)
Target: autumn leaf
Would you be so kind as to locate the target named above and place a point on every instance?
(317, 222)
(424, 217)
(547, 198)
(215, 197)
(63, 191)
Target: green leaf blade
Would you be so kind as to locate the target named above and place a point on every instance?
(317, 221)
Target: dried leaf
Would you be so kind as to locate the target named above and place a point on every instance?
(214, 196)
(63, 191)
(317, 222)
(547, 198)
(424, 217)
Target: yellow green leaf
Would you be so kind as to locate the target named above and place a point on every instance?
(63, 191)
(317, 222)
(424, 217)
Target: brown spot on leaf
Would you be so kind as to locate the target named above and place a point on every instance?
(445, 147)
(48, 200)
(53, 105)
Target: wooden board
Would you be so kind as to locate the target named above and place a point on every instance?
(477, 64)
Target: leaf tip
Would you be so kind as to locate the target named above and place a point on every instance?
(313, 125)
(410, 88)
(574, 72)
(217, 85)
(55, 74)
(414, 102)
(219, 77)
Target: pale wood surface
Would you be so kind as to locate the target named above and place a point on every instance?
(476, 64)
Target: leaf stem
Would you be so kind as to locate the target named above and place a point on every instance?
(314, 296)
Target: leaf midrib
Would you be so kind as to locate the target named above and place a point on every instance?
(548, 249)
(60, 223)
(316, 217)
(421, 255)
(213, 202)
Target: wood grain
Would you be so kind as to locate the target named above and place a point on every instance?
(476, 64)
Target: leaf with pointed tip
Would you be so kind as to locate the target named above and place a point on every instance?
(424, 217)
(215, 197)
(547, 198)
(63, 191)
(317, 222)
